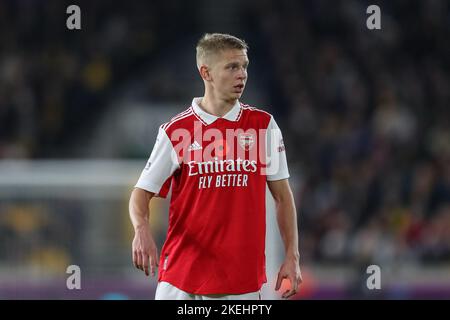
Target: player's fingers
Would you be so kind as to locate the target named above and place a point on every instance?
(288, 293)
(294, 284)
(145, 259)
(152, 265)
(293, 290)
(139, 261)
(135, 259)
(279, 279)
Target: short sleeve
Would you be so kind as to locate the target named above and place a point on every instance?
(160, 166)
(276, 168)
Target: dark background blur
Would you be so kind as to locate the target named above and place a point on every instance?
(364, 113)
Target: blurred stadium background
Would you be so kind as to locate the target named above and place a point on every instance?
(365, 117)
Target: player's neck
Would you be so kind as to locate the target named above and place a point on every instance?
(216, 107)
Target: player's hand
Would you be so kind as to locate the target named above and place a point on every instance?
(290, 269)
(145, 253)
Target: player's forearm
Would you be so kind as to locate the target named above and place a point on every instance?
(287, 223)
(138, 208)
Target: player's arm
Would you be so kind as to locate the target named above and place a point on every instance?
(160, 166)
(144, 250)
(287, 224)
(277, 180)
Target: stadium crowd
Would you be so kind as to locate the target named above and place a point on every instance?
(364, 113)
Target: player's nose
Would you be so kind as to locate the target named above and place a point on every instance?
(242, 75)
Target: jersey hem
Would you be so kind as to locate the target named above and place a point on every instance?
(276, 178)
(150, 188)
(203, 293)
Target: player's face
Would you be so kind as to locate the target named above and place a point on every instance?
(229, 74)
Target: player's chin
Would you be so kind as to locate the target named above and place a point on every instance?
(237, 94)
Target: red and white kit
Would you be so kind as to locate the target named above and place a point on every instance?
(218, 169)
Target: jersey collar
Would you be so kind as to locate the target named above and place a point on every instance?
(232, 115)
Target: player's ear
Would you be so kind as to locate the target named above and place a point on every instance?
(204, 72)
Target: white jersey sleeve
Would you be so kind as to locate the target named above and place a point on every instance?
(276, 168)
(160, 166)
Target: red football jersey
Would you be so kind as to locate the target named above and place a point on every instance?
(218, 170)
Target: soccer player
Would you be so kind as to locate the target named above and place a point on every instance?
(217, 156)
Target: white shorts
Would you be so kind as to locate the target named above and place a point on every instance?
(166, 291)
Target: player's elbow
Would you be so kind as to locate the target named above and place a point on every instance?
(139, 196)
(282, 195)
(283, 199)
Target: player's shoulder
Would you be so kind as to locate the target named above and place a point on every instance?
(178, 120)
(254, 112)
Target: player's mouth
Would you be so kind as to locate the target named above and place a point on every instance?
(239, 88)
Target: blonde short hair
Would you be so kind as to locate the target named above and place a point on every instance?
(212, 43)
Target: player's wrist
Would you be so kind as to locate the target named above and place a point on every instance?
(293, 254)
(141, 227)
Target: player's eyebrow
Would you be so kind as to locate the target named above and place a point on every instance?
(236, 63)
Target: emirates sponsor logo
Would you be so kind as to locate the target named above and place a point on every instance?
(221, 166)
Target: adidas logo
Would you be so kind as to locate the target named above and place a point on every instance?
(195, 146)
